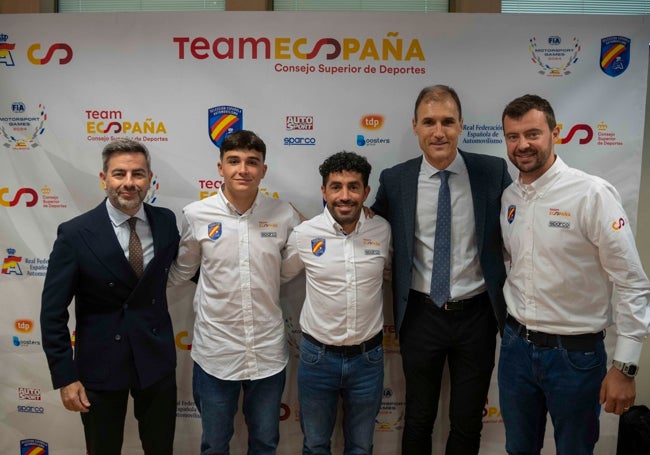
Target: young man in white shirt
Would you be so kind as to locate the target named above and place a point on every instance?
(344, 254)
(236, 238)
(569, 240)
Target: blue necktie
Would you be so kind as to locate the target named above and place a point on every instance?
(442, 244)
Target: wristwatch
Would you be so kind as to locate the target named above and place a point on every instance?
(629, 369)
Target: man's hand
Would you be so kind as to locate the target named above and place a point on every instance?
(617, 392)
(74, 397)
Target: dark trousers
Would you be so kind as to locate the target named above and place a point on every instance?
(466, 339)
(153, 407)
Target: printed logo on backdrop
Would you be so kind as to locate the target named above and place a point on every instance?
(29, 393)
(103, 125)
(28, 197)
(583, 134)
(11, 265)
(391, 413)
(304, 141)
(481, 133)
(33, 447)
(23, 325)
(20, 129)
(150, 197)
(299, 122)
(372, 122)
(391, 55)
(186, 409)
(491, 414)
(5, 50)
(554, 55)
(614, 55)
(222, 121)
(180, 342)
(209, 187)
(61, 50)
(363, 141)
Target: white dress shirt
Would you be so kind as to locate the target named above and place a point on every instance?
(344, 273)
(466, 276)
(119, 220)
(569, 239)
(238, 328)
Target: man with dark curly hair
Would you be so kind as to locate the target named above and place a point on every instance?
(344, 254)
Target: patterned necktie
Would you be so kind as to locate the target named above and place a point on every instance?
(442, 245)
(135, 249)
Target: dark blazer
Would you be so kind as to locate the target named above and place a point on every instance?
(396, 201)
(121, 320)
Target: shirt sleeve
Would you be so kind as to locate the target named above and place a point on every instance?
(292, 265)
(188, 260)
(610, 231)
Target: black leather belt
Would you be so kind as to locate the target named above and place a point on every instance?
(348, 351)
(452, 305)
(582, 342)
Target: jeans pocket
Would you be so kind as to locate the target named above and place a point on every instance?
(309, 353)
(586, 360)
(509, 336)
(375, 355)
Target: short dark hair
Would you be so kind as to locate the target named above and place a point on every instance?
(345, 161)
(243, 140)
(124, 146)
(518, 107)
(437, 92)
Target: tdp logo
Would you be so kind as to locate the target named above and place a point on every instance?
(372, 121)
(28, 193)
(62, 49)
(5, 50)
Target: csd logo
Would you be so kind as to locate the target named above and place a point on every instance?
(180, 344)
(61, 49)
(588, 134)
(29, 193)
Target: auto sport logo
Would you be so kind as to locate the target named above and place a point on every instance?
(299, 122)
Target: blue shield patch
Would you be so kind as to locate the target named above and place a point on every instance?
(223, 120)
(214, 230)
(614, 55)
(33, 447)
(318, 246)
(512, 210)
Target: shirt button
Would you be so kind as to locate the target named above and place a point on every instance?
(118, 337)
(125, 306)
(153, 301)
(155, 331)
(110, 285)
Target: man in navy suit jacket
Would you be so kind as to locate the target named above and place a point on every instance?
(461, 330)
(124, 338)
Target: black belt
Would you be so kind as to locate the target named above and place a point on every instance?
(582, 342)
(348, 351)
(452, 305)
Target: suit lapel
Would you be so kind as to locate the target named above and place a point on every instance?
(100, 237)
(479, 190)
(409, 190)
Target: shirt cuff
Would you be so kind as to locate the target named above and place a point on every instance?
(627, 350)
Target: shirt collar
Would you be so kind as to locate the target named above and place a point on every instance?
(337, 227)
(118, 217)
(544, 182)
(455, 167)
(231, 207)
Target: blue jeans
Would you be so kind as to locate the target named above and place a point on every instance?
(535, 380)
(217, 402)
(323, 376)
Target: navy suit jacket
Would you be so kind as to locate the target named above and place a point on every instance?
(396, 201)
(121, 321)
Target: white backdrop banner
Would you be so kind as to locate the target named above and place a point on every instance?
(310, 84)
